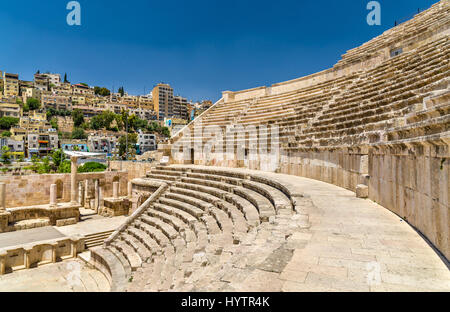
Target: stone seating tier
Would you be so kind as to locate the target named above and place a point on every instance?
(201, 214)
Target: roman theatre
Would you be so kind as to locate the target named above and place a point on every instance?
(337, 181)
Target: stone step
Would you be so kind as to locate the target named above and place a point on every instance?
(181, 201)
(156, 234)
(174, 207)
(165, 228)
(124, 262)
(166, 172)
(162, 177)
(276, 197)
(129, 253)
(117, 271)
(100, 280)
(144, 253)
(145, 239)
(184, 229)
(264, 206)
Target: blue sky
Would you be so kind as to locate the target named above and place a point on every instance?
(200, 47)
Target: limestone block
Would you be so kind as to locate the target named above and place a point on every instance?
(362, 191)
(64, 222)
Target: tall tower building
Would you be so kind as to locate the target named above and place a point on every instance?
(163, 100)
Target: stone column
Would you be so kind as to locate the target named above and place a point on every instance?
(115, 189)
(73, 179)
(96, 196)
(54, 247)
(53, 200)
(74, 241)
(26, 254)
(130, 189)
(2, 196)
(100, 199)
(81, 194)
(87, 195)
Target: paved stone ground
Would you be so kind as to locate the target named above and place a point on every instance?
(352, 245)
(357, 245)
(29, 236)
(92, 224)
(67, 276)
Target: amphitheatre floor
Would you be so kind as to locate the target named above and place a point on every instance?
(91, 224)
(94, 224)
(353, 244)
(67, 276)
(29, 236)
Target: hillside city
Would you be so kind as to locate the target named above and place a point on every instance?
(49, 113)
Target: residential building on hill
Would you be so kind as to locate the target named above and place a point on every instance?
(10, 85)
(163, 100)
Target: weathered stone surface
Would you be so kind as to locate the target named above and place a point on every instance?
(362, 191)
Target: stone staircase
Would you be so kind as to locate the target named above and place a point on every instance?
(96, 239)
(201, 222)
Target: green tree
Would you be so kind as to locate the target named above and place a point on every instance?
(6, 155)
(165, 132)
(132, 141)
(58, 157)
(92, 167)
(121, 91)
(33, 103)
(79, 134)
(54, 123)
(6, 134)
(44, 166)
(65, 167)
(7, 122)
(78, 117)
(65, 78)
(19, 101)
(102, 91)
(141, 124)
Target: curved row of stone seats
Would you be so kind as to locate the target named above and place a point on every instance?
(350, 117)
(429, 20)
(368, 118)
(354, 108)
(116, 270)
(202, 213)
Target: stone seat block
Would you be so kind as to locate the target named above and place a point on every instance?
(145, 239)
(154, 233)
(162, 177)
(107, 262)
(165, 228)
(157, 212)
(130, 254)
(264, 206)
(138, 247)
(183, 203)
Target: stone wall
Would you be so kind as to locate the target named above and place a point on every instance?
(414, 183)
(133, 169)
(35, 189)
(26, 257)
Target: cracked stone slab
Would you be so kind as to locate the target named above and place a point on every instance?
(277, 260)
